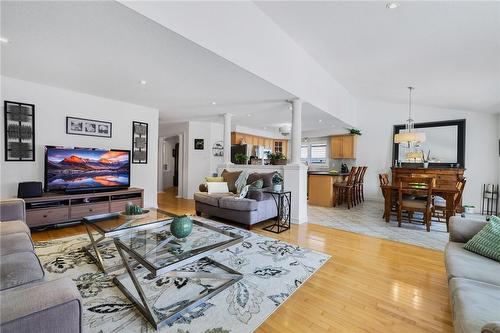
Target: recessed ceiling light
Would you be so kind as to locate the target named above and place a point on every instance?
(4, 40)
(143, 82)
(290, 108)
(265, 127)
(320, 120)
(214, 103)
(249, 115)
(392, 5)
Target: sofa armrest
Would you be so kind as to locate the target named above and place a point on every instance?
(493, 327)
(12, 209)
(53, 306)
(462, 229)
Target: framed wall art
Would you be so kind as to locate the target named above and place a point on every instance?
(139, 142)
(88, 127)
(199, 144)
(19, 129)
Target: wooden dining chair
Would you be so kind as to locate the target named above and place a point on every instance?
(417, 187)
(344, 190)
(439, 203)
(383, 179)
(356, 192)
(361, 185)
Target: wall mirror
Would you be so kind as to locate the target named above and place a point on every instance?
(444, 139)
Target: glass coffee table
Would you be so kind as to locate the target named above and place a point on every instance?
(166, 277)
(102, 228)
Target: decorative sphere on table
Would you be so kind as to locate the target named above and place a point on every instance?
(181, 226)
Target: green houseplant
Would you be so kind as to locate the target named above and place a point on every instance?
(277, 182)
(240, 158)
(353, 130)
(277, 158)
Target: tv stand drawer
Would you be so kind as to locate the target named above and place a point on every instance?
(47, 216)
(79, 211)
(119, 205)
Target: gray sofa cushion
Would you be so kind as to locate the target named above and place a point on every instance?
(19, 268)
(465, 264)
(12, 209)
(210, 199)
(474, 304)
(53, 306)
(14, 243)
(462, 230)
(12, 227)
(238, 204)
(266, 177)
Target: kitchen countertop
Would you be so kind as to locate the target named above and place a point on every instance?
(326, 173)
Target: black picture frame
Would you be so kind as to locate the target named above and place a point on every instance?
(19, 131)
(88, 127)
(199, 144)
(461, 126)
(140, 136)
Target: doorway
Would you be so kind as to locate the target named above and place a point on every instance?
(168, 168)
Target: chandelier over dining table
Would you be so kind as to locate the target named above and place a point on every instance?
(409, 136)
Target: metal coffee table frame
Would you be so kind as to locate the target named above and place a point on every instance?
(104, 236)
(131, 259)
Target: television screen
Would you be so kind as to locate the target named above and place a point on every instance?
(73, 169)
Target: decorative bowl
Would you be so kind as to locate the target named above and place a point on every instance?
(145, 212)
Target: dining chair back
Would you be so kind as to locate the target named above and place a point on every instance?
(421, 189)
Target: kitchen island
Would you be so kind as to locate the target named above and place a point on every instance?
(320, 187)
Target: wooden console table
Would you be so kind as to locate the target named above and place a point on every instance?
(54, 208)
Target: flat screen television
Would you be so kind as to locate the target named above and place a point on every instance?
(83, 169)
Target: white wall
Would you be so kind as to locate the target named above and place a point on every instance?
(52, 105)
(376, 120)
(498, 121)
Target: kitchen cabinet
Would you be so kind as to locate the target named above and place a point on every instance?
(255, 140)
(343, 146)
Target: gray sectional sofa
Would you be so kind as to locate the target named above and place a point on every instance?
(474, 281)
(256, 207)
(28, 303)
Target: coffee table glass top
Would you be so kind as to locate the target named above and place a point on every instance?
(160, 252)
(115, 224)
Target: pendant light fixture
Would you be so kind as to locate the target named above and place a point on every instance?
(409, 136)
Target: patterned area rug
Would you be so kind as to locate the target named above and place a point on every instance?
(272, 271)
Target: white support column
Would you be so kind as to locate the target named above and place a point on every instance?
(296, 130)
(227, 138)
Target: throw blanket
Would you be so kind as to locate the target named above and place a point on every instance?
(241, 181)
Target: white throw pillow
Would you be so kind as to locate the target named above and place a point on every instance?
(217, 187)
(243, 192)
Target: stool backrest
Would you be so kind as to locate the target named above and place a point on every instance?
(362, 180)
(383, 179)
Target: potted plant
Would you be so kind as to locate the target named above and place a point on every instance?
(241, 158)
(277, 158)
(354, 131)
(425, 159)
(469, 209)
(277, 182)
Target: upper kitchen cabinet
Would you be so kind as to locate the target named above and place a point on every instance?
(343, 146)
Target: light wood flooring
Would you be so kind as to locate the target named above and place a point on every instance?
(369, 285)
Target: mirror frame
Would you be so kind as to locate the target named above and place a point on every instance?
(460, 123)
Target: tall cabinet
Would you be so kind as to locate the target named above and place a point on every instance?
(343, 146)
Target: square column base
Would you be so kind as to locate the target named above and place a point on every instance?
(295, 180)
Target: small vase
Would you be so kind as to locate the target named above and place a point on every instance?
(426, 165)
(277, 187)
(181, 226)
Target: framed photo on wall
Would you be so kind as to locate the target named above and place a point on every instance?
(139, 142)
(88, 127)
(199, 144)
(19, 131)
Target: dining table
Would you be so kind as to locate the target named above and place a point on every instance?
(446, 192)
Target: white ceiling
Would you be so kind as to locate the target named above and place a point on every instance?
(448, 50)
(105, 49)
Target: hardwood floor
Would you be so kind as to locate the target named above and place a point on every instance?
(369, 284)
